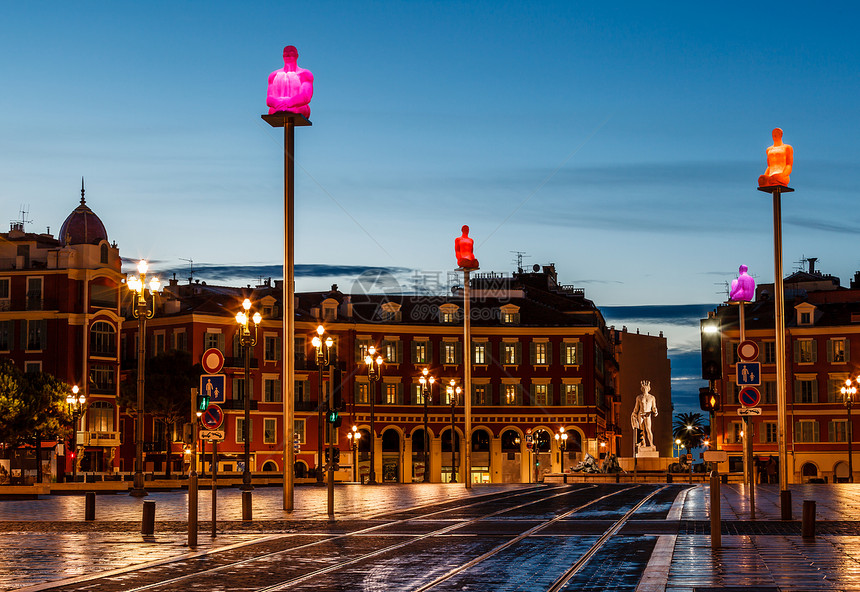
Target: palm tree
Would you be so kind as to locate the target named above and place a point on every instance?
(690, 429)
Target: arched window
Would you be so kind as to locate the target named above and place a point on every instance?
(270, 466)
(103, 339)
(390, 441)
(480, 441)
(104, 253)
(100, 417)
(542, 441)
(511, 441)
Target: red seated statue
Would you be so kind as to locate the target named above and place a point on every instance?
(780, 157)
(463, 247)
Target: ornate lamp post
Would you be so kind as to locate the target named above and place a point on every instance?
(141, 312)
(75, 404)
(561, 440)
(426, 385)
(374, 373)
(354, 436)
(323, 361)
(247, 340)
(848, 391)
(453, 391)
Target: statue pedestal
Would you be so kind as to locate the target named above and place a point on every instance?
(647, 452)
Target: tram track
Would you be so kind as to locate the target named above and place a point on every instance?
(324, 560)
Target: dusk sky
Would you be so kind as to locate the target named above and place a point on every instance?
(621, 141)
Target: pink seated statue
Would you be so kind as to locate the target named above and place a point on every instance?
(463, 246)
(743, 288)
(780, 157)
(290, 88)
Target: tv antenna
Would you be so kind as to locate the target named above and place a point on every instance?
(520, 256)
(191, 274)
(24, 213)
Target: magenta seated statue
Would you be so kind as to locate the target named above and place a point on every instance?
(743, 288)
(780, 157)
(463, 247)
(290, 88)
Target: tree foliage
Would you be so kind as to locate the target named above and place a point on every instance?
(31, 405)
(690, 429)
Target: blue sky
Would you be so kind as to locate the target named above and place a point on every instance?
(621, 141)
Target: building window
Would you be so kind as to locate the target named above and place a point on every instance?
(805, 318)
(769, 392)
(103, 254)
(6, 336)
(540, 394)
(769, 354)
(180, 340)
(4, 292)
(838, 430)
(100, 417)
(102, 377)
(34, 293)
(572, 354)
(272, 390)
(806, 391)
(392, 393)
(240, 426)
(271, 348)
(449, 313)
(30, 367)
(299, 351)
(449, 352)
(212, 339)
(573, 395)
(36, 335)
(419, 352)
(510, 318)
(736, 433)
(270, 433)
(511, 353)
(103, 339)
(834, 390)
(540, 353)
(479, 352)
(512, 394)
(239, 389)
(481, 394)
(769, 432)
(837, 350)
(303, 391)
(299, 430)
(361, 393)
(160, 343)
(805, 351)
(103, 296)
(391, 351)
(806, 430)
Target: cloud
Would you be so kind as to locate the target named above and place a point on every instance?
(241, 273)
(672, 314)
(821, 225)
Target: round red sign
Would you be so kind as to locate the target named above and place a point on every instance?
(213, 360)
(749, 396)
(747, 350)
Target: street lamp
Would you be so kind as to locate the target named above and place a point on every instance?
(354, 436)
(561, 439)
(374, 373)
(247, 340)
(848, 391)
(426, 385)
(453, 391)
(141, 311)
(75, 403)
(323, 348)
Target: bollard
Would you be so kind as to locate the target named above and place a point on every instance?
(668, 477)
(246, 505)
(90, 506)
(618, 477)
(716, 524)
(808, 523)
(785, 504)
(148, 524)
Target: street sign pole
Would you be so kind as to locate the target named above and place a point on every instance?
(192, 477)
(214, 468)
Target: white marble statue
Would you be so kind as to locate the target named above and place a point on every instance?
(643, 411)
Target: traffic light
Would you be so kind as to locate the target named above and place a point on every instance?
(336, 458)
(333, 417)
(188, 433)
(712, 367)
(202, 402)
(709, 399)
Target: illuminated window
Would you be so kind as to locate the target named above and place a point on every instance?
(572, 354)
(805, 351)
(511, 353)
(479, 353)
(540, 394)
(837, 350)
(449, 350)
(511, 394)
(361, 391)
(540, 353)
(573, 395)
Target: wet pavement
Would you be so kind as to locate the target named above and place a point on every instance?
(664, 546)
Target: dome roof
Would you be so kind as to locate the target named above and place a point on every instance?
(82, 226)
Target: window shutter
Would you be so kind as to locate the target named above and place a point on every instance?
(815, 436)
(829, 350)
(762, 433)
(532, 353)
(413, 353)
(356, 392)
(847, 350)
(549, 400)
(277, 349)
(532, 393)
(831, 431)
(519, 352)
(458, 352)
(797, 432)
(815, 392)
(579, 359)
(549, 353)
(796, 352)
(797, 396)
(429, 352)
(22, 325)
(814, 350)
(399, 350)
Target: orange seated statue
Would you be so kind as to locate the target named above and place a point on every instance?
(463, 247)
(780, 157)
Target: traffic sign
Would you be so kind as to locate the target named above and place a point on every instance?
(715, 456)
(744, 411)
(749, 396)
(212, 418)
(747, 350)
(212, 361)
(212, 385)
(749, 374)
(296, 444)
(212, 435)
(529, 440)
